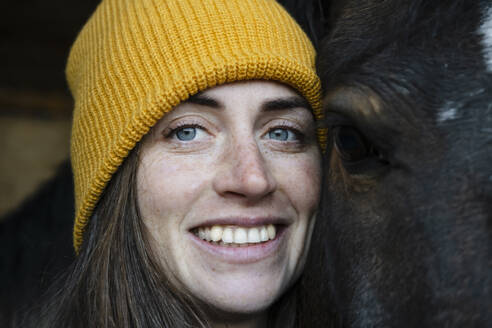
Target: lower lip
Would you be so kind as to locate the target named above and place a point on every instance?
(241, 254)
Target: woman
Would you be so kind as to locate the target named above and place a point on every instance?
(196, 166)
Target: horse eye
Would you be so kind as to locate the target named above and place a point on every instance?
(350, 144)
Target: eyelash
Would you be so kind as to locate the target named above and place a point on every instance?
(170, 132)
(300, 136)
(288, 126)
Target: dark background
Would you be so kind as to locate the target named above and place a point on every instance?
(35, 104)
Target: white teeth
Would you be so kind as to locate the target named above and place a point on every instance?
(263, 234)
(216, 233)
(240, 236)
(235, 235)
(253, 235)
(228, 235)
(201, 233)
(271, 231)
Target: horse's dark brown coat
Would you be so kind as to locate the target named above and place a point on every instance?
(404, 238)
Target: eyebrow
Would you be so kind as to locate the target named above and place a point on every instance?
(269, 105)
(204, 100)
(285, 103)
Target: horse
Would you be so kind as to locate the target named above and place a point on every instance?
(403, 237)
(404, 233)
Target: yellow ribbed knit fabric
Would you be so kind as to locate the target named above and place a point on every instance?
(135, 60)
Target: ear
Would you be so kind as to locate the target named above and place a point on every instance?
(312, 15)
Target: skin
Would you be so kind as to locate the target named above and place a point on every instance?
(253, 158)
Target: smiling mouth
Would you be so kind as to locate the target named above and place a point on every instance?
(236, 236)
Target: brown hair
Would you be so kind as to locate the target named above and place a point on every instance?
(117, 281)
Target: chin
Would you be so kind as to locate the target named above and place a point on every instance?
(244, 298)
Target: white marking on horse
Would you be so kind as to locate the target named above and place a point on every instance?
(448, 112)
(452, 110)
(486, 31)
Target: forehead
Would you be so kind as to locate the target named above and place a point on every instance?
(258, 89)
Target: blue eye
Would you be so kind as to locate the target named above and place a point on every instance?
(186, 133)
(282, 134)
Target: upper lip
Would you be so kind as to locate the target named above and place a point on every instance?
(243, 221)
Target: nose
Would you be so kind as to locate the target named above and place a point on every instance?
(243, 172)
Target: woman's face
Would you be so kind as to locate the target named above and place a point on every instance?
(228, 186)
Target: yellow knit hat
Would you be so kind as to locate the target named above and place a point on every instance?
(135, 60)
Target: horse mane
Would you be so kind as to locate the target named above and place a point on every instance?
(433, 25)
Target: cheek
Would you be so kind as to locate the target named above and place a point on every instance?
(166, 188)
(301, 179)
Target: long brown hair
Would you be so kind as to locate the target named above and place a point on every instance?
(117, 281)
